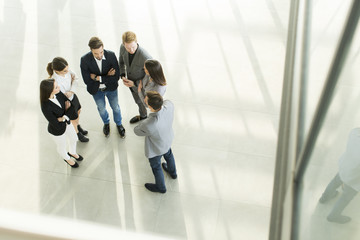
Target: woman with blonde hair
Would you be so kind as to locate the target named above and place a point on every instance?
(59, 70)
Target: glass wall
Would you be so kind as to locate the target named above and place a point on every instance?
(326, 20)
(317, 173)
(337, 150)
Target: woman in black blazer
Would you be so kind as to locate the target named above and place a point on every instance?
(56, 107)
(59, 70)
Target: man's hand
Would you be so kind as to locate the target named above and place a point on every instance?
(127, 82)
(111, 72)
(92, 76)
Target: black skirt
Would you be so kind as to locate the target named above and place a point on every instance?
(76, 106)
(75, 101)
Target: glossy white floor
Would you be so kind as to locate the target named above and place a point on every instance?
(224, 65)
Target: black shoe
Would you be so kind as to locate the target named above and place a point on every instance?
(74, 165)
(152, 187)
(121, 130)
(106, 129)
(84, 132)
(325, 198)
(137, 119)
(164, 166)
(82, 138)
(80, 158)
(339, 219)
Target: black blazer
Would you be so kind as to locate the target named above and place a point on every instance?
(52, 112)
(88, 65)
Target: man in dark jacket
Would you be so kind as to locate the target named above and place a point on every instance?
(100, 72)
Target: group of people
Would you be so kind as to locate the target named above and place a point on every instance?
(101, 72)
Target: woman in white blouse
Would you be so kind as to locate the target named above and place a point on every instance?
(154, 79)
(59, 70)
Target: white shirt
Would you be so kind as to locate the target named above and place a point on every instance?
(99, 63)
(54, 100)
(65, 83)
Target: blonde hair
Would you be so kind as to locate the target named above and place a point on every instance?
(129, 37)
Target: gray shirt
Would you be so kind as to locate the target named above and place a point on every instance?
(148, 85)
(157, 129)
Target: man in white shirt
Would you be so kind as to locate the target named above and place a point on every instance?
(100, 72)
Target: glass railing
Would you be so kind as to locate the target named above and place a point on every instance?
(326, 205)
(317, 174)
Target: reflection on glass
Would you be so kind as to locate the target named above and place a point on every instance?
(328, 202)
(326, 23)
(347, 178)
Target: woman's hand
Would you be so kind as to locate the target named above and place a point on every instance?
(69, 94)
(72, 77)
(67, 105)
(140, 86)
(127, 82)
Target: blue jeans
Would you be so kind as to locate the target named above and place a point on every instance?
(155, 163)
(112, 97)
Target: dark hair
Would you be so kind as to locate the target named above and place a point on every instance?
(95, 43)
(155, 71)
(154, 100)
(57, 64)
(46, 88)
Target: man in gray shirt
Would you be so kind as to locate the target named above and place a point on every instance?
(159, 135)
(131, 62)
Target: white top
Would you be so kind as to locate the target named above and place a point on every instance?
(65, 83)
(99, 63)
(56, 101)
(349, 162)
